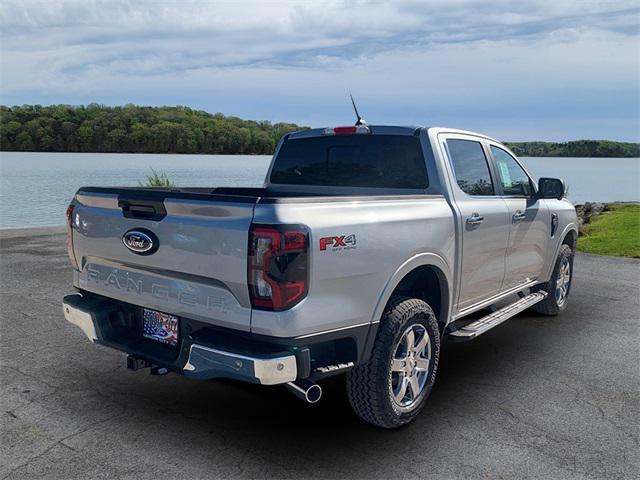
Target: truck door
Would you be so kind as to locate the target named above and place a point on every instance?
(483, 216)
(529, 217)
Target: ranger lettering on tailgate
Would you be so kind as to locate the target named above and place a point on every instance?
(130, 282)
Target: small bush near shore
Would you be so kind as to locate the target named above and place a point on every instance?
(614, 232)
(157, 180)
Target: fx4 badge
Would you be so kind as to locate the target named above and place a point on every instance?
(340, 242)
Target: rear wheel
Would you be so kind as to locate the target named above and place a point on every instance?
(559, 287)
(392, 387)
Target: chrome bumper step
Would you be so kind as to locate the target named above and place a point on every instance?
(206, 362)
(478, 327)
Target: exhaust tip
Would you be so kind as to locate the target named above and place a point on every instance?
(313, 393)
(305, 390)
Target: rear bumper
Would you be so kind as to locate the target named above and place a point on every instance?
(205, 362)
(206, 352)
(202, 362)
(80, 318)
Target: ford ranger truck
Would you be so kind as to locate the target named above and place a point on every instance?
(365, 249)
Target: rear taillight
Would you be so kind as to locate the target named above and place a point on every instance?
(72, 257)
(278, 266)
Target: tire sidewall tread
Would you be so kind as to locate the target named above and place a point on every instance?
(367, 384)
(549, 305)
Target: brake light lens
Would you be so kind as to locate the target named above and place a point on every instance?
(352, 130)
(278, 274)
(72, 257)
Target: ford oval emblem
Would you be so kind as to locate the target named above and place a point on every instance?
(140, 241)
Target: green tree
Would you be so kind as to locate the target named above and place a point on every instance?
(132, 128)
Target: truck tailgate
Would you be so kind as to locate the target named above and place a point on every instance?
(199, 269)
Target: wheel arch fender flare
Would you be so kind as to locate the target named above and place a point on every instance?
(425, 259)
(571, 227)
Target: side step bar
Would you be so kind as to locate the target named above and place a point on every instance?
(478, 327)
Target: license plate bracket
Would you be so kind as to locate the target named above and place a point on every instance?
(160, 327)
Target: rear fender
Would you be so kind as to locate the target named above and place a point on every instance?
(420, 260)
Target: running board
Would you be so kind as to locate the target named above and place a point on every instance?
(473, 329)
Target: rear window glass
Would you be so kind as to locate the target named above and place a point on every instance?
(374, 161)
(470, 167)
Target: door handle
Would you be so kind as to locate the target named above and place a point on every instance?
(475, 219)
(519, 216)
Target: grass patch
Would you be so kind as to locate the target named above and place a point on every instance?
(615, 232)
(157, 180)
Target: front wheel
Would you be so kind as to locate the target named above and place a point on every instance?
(391, 388)
(559, 287)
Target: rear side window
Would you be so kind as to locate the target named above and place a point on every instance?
(373, 161)
(470, 167)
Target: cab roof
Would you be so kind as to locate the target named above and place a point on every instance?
(390, 130)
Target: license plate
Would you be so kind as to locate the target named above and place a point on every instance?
(160, 327)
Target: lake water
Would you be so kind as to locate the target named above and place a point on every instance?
(35, 188)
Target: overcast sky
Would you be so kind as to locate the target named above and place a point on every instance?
(531, 69)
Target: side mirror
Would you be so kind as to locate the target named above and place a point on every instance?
(551, 188)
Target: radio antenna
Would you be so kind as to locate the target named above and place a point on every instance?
(360, 120)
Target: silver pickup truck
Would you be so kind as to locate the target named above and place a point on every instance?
(366, 248)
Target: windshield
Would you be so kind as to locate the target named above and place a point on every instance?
(373, 161)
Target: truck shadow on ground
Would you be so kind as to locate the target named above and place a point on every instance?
(281, 430)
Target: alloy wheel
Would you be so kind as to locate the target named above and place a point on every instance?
(410, 367)
(563, 282)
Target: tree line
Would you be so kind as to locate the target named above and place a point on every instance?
(136, 129)
(578, 148)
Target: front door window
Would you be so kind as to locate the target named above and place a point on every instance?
(514, 179)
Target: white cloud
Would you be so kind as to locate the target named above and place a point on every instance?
(407, 59)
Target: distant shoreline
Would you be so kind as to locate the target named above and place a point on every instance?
(14, 232)
(181, 130)
(269, 154)
(147, 153)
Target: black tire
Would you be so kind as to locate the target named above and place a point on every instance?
(550, 306)
(369, 385)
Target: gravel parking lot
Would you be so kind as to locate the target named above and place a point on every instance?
(535, 398)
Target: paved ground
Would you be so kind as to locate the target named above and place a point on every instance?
(537, 397)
